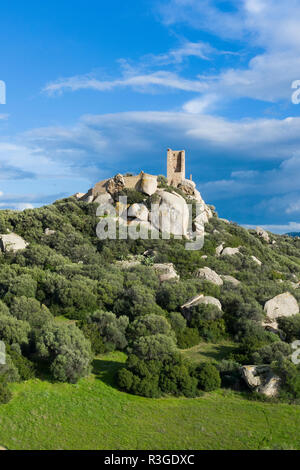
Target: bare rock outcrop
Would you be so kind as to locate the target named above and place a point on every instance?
(232, 280)
(283, 305)
(209, 275)
(263, 234)
(148, 184)
(12, 242)
(261, 379)
(165, 271)
(219, 249)
(256, 260)
(116, 184)
(138, 211)
(172, 215)
(230, 251)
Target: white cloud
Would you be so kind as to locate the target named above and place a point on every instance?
(199, 49)
(280, 228)
(271, 25)
(99, 146)
(139, 82)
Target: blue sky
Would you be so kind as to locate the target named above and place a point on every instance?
(95, 88)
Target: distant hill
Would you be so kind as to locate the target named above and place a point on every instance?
(293, 234)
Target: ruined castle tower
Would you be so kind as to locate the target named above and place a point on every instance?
(175, 167)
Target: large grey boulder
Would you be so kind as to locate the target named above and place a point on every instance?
(271, 386)
(148, 184)
(209, 275)
(172, 216)
(188, 187)
(115, 184)
(232, 280)
(139, 211)
(165, 271)
(283, 305)
(88, 198)
(230, 251)
(261, 379)
(219, 249)
(104, 198)
(204, 207)
(251, 376)
(256, 260)
(105, 204)
(263, 234)
(12, 242)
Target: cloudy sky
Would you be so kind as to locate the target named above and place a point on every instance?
(94, 88)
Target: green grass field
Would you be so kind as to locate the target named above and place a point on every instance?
(93, 414)
(209, 352)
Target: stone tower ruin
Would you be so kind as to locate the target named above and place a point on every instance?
(175, 167)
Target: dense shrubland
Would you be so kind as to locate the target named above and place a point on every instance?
(68, 297)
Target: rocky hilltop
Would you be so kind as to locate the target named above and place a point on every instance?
(172, 202)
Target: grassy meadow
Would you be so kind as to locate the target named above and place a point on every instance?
(93, 414)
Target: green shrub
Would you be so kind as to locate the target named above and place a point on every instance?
(5, 393)
(132, 195)
(208, 377)
(66, 350)
(92, 334)
(187, 338)
(290, 376)
(154, 377)
(25, 367)
(290, 326)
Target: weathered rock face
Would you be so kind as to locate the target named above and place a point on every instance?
(202, 206)
(139, 211)
(105, 202)
(88, 198)
(263, 234)
(219, 249)
(256, 260)
(283, 305)
(271, 387)
(186, 309)
(12, 242)
(251, 376)
(116, 184)
(172, 215)
(165, 271)
(230, 251)
(104, 198)
(209, 275)
(232, 280)
(261, 379)
(148, 184)
(188, 187)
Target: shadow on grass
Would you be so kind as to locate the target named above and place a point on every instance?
(107, 371)
(219, 352)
